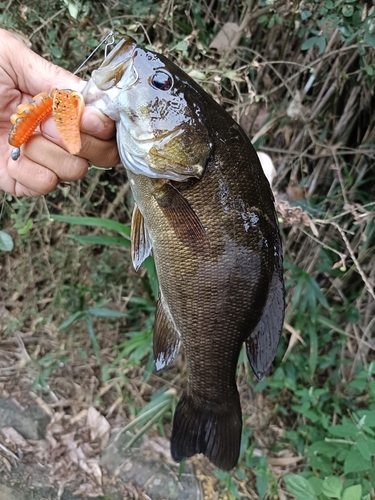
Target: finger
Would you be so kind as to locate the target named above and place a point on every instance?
(93, 123)
(29, 71)
(101, 153)
(43, 164)
(30, 178)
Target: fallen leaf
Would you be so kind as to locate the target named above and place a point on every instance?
(13, 437)
(224, 39)
(98, 425)
(295, 107)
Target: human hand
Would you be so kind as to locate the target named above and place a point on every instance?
(43, 161)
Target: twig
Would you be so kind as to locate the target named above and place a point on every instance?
(4, 448)
(348, 246)
(47, 21)
(342, 151)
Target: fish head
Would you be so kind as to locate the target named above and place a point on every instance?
(160, 127)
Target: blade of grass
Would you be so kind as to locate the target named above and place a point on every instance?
(94, 340)
(112, 225)
(101, 240)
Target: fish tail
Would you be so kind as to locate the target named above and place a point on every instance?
(214, 430)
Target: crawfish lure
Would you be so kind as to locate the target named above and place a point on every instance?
(66, 107)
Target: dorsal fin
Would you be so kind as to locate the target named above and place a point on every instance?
(140, 239)
(166, 336)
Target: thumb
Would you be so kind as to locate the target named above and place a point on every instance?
(31, 73)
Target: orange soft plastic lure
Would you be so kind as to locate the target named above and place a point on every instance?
(66, 107)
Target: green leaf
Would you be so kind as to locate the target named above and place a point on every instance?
(305, 14)
(74, 317)
(355, 462)
(102, 312)
(261, 482)
(73, 8)
(317, 484)
(93, 239)
(343, 431)
(370, 31)
(352, 493)
(300, 487)
(112, 225)
(182, 47)
(56, 52)
(263, 19)
(320, 41)
(318, 293)
(324, 448)
(313, 358)
(363, 448)
(369, 417)
(149, 265)
(347, 10)
(332, 487)
(6, 242)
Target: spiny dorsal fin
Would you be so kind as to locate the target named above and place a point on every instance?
(140, 239)
(166, 336)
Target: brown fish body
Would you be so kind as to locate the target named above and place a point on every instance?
(213, 232)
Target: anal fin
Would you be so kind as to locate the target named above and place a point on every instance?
(140, 239)
(166, 336)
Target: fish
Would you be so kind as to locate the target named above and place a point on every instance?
(205, 211)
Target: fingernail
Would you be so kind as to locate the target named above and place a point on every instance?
(93, 122)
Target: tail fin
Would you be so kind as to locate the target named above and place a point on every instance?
(213, 431)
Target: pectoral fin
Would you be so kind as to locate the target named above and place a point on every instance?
(166, 336)
(262, 344)
(185, 222)
(140, 239)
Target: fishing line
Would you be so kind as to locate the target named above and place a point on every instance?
(108, 41)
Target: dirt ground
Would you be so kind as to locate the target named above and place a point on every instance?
(48, 455)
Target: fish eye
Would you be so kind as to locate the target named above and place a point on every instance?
(161, 81)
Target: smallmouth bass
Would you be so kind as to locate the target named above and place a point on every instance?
(205, 210)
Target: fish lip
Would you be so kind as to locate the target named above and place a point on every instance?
(117, 70)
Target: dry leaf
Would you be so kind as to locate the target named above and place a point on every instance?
(13, 437)
(295, 192)
(293, 216)
(89, 490)
(295, 107)
(223, 40)
(98, 425)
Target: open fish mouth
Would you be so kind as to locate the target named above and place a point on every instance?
(116, 69)
(116, 73)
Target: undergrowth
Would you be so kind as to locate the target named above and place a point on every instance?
(299, 78)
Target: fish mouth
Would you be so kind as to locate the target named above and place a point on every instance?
(114, 71)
